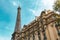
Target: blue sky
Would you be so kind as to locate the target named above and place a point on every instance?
(29, 9)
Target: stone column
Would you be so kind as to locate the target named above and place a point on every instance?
(31, 37)
(25, 37)
(50, 28)
(28, 35)
(55, 31)
(33, 34)
(41, 35)
(47, 33)
(36, 35)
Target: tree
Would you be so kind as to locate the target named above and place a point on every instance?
(56, 6)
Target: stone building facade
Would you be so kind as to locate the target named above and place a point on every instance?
(44, 27)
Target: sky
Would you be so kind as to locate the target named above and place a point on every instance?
(29, 9)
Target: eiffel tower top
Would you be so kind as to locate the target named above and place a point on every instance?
(18, 21)
(19, 7)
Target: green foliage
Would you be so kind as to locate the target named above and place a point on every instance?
(56, 6)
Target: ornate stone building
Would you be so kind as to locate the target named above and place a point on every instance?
(44, 27)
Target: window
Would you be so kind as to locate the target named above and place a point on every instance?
(45, 38)
(58, 31)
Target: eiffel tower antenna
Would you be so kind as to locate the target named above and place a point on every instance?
(18, 3)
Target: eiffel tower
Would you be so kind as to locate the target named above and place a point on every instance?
(15, 35)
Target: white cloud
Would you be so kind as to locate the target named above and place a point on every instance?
(4, 38)
(48, 3)
(45, 2)
(14, 3)
(41, 5)
(35, 12)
